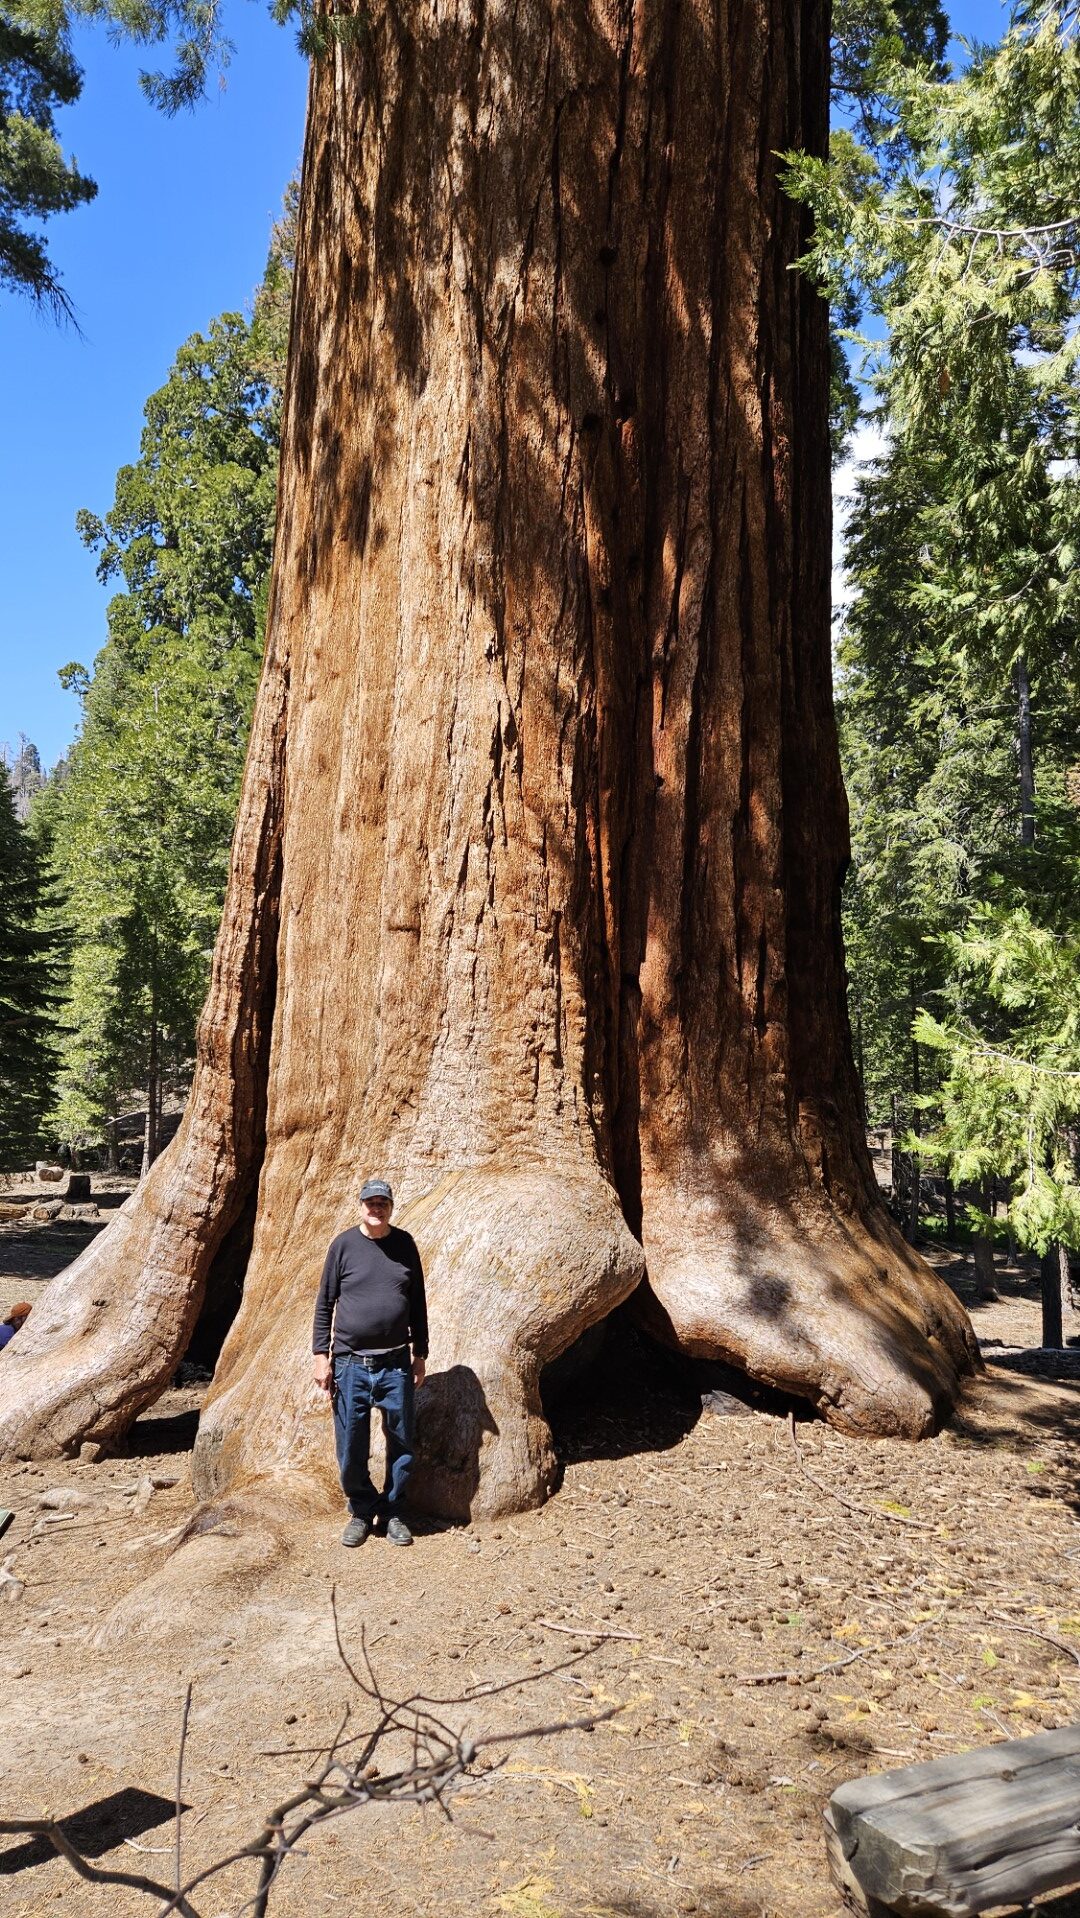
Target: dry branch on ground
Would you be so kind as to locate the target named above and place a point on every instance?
(350, 1778)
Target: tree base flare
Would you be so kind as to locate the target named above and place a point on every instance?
(518, 1265)
(220, 1560)
(832, 1307)
(108, 1334)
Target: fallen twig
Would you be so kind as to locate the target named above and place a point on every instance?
(1003, 1728)
(585, 1631)
(50, 1829)
(851, 1505)
(185, 1714)
(1030, 1632)
(796, 1676)
(439, 1760)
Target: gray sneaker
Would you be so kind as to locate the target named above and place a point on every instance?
(356, 1531)
(397, 1532)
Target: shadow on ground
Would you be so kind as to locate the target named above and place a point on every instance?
(621, 1393)
(41, 1254)
(719, 1900)
(1038, 1421)
(161, 1431)
(724, 1900)
(96, 1829)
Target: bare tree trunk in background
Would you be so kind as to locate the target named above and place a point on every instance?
(535, 902)
(860, 1060)
(1053, 1277)
(1024, 752)
(153, 1072)
(950, 1210)
(916, 1126)
(985, 1281)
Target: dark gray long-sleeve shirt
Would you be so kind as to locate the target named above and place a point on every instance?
(372, 1292)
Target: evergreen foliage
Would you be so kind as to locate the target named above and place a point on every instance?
(37, 74)
(29, 961)
(1011, 1109)
(142, 821)
(25, 774)
(269, 341)
(959, 672)
(869, 37)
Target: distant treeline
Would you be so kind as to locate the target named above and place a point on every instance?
(123, 858)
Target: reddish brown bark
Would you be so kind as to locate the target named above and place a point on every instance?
(557, 786)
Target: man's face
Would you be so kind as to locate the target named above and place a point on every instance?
(375, 1214)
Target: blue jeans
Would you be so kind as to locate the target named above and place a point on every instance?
(361, 1385)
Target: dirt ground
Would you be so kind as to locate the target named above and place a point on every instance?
(711, 1552)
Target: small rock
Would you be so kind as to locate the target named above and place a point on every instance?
(61, 1498)
(725, 1406)
(91, 1453)
(162, 1481)
(11, 1586)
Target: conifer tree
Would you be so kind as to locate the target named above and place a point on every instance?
(37, 74)
(28, 969)
(144, 816)
(961, 685)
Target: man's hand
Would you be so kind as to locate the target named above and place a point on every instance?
(324, 1375)
(419, 1372)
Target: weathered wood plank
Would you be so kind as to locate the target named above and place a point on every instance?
(957, 1835)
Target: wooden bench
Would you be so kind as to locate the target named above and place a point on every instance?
(952, 1837)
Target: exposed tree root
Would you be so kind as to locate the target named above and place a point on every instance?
(110, 1331)
(829, 1306)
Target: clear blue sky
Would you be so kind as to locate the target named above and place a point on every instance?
(177, 234)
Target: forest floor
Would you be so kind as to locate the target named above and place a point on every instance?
(938, 1582)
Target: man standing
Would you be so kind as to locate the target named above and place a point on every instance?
(372, 1293)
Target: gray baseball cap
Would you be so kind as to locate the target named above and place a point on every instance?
(376, 1189)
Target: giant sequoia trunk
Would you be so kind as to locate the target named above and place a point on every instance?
(535, 893)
